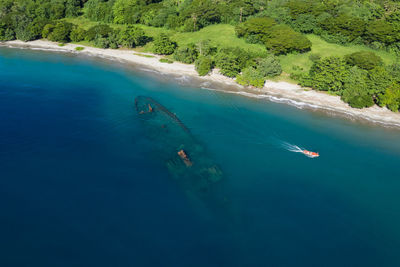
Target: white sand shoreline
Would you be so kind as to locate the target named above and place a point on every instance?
(282, 92)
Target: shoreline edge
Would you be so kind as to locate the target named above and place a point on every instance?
(280, 92)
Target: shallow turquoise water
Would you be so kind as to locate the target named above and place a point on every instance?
(81, 186)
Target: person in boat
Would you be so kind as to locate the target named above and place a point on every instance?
(182, 154)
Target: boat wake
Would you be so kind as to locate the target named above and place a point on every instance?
(291, 147)
(297, 149)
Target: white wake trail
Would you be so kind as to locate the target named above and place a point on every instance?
(297, 149)
(291, 147)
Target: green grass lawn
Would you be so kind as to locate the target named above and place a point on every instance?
(325, 49)
(223, 35)
(81, 22)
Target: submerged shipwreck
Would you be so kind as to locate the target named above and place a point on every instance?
(185, 157)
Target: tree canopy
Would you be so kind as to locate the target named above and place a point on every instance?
(363, 59)
(162, 45)
(280, 39)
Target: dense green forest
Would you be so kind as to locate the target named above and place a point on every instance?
(265, 36)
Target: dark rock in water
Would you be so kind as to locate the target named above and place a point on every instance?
(185, 157)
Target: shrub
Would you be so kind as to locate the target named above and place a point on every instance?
(163, 45)
(268, 67)
(160, 16)
(198, 14)
(56, 10)
(254, 39)
(187, 54)
(256, 29)
(356, 92)
(303, 7)
(357, 98)
(250, 76)
(27, 31)
(363, 59)
(3, 28)
(328, 74)
(101, 42)
(79, 48)
(48, 28)
(285, 40)
(172, 22)
(98, 30)
(280, 39)
(166, 60)
(189, 25)
(378, 80)
(304, 79)
(60, 32)
(228, 63)
(113, 40)
(376, 45)
(381, 31)
(391, 98)
(132, 36)
(77, 34)
(34, 29)
(6, 34)
(204, 65)
(335, 38)
(314, 57)
(232, 60)
(306, 23)
(394, 71)
(205, 48)
(143, 55)
(99, 10)
(262, 69)
(127, 11)
(344, 25)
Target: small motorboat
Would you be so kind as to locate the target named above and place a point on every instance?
(310, 154)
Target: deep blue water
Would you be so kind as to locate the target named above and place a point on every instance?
(80, 186)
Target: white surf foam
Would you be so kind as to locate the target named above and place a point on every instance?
(304, 105)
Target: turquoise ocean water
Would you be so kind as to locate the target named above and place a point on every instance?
(81, 185)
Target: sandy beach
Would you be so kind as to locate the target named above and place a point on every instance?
(282, 92)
